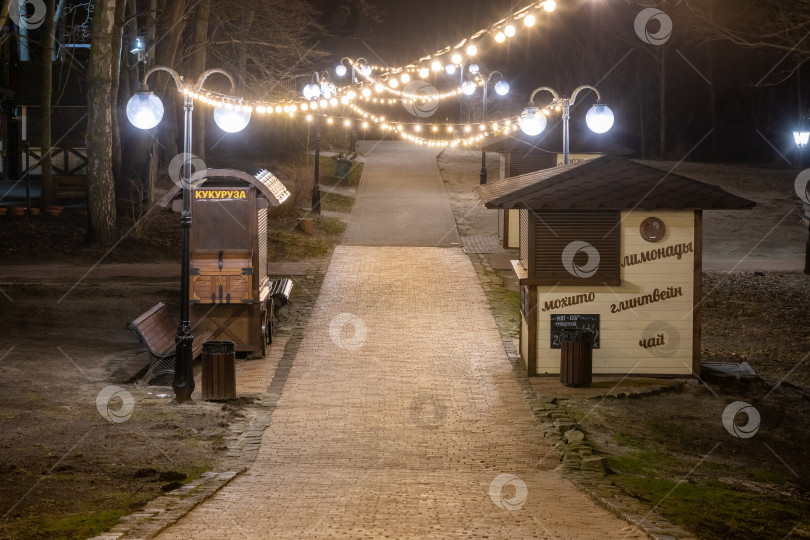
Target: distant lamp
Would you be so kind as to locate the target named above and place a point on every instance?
(457, 58)
(532, 122)
(600, 118)
(366, 70)
(450, 69)
(474, 68)
(312, 91)
(501, 87)
(327, 89)
(144, 110)
(468, 88)
(340, 70)
(231, 120)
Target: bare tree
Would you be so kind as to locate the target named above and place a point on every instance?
(48, 188)
(100, 183)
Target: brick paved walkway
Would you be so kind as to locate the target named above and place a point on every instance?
(401, 418)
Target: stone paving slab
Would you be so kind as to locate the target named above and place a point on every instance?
(480, 243)
(401, 417)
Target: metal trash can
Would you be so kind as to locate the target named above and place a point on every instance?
(576, 357)
(342, 168)
(218, 370)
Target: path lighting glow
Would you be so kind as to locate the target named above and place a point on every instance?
(599, 118)
(472, 50)
(450, 69)
(509, 30)
(531, 121)
(474, 68)
(144, 110)
(231, 120)
(529, 20)
(501, 87)
(468, 88)
(340, 70)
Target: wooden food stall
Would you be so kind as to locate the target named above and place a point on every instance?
(230, 291)
(613, 246)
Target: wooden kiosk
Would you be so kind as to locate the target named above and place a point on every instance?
(519, 155)
(230, 287)
(614, 246)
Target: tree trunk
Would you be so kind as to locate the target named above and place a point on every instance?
(197, 66)
(100, 184)
(48, 188)
(662, 100)
(4, 11)
(116, 75)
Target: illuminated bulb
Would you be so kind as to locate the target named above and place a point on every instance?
(472, 50)
(529, 20)
(366, 71)
(424, 72)
(366, 92)
(436, 65)
(450, 69)
(549, 5)
(449, 129)
(293, 108)
(347, 123)
(509, 30)
(468, 87)
(351, 94)
(365, 125)
(456, 58)
(500, 37)
(333, 102)
(474, 68)
(378, 87)
(417, 127)
(467, 129)
(435, 129)
(261, 109)
(304, 107)
(495, 125)
(344, 100)
(324, 104)
(229, 106)
(340, 70)
(309, 118)
(393, 83)
(286, 108)
(313, 105)
(482, 127)
(330, 120)
(405, 78)
(278, 108)
(501, 88)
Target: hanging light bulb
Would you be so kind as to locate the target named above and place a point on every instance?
(340, 70)
(500, 37)
(474, 68)
(509, 30)
(456, 58)
(529, 20)
(472, 50)
(379, 87)
(405, 78)
(393, 83)
(366, 92)
(501, 87)
(424, 72)
(436, 65)
(450, 69)
(549, 5)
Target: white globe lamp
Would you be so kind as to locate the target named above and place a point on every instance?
(231, 120)
(532, 122)
(599, 118)
(144, 110)
(501, 88)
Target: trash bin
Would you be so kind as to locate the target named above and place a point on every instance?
(342, 168)
(576, 357)
(218, 370)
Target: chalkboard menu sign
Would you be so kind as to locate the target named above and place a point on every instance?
(560, 322)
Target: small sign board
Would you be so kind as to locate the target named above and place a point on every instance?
(559, 322)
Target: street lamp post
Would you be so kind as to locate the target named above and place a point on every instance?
(319, 87)
(801, 136)
(145, 110)
(501, 88)
(599, 118)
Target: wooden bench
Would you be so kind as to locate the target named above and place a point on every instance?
(70, 187)
(155, 331)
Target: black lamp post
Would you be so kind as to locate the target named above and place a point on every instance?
(319, 87)
(145, 110)
(501, 88)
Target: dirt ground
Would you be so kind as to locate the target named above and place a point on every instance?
(672, 449)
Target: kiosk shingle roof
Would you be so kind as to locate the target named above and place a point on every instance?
(606, 183)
